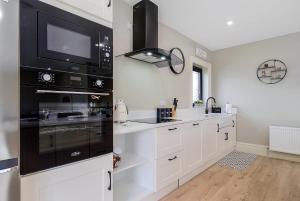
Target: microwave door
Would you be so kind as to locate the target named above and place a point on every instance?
(68, 42)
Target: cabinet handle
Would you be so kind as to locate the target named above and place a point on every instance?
(196, 124)
(218, 128)
(233, 123)
(109, 174)
(75, 154)
(226, 136)
(109, 3)
(171, 159)
(172, 129)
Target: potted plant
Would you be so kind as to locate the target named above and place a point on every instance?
(198, 103)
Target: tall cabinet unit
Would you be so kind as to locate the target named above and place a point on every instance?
(90, 179)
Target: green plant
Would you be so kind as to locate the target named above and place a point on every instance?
(198, 102)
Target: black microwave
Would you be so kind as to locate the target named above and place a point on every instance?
(54, 39)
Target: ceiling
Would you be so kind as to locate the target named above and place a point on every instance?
(205, 21)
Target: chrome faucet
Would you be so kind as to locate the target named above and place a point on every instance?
(206, 107)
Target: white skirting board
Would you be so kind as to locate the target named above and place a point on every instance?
(263, 150)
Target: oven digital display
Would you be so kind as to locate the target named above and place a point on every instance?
(74, 78)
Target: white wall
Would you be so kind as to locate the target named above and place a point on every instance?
(142, 85)
(260, 105)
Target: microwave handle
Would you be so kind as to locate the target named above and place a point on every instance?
(70, 92)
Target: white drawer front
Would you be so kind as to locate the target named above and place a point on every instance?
(168, 170)
(169, 140)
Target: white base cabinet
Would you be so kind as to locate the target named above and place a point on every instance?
(227, 135)
(168, 170)
(168, 157)
(205, 142)
(86, 180)
(193, 146)
(210, 139)
(168, 140)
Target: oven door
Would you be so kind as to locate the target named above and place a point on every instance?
(62, 40)
(60, 127)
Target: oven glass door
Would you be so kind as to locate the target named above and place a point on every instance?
(62, 40)
(69, 127)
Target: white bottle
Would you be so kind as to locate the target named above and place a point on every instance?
(228, 108)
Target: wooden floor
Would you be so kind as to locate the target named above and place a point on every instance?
(265, 180)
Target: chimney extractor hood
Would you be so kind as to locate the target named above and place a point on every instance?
(145, 36)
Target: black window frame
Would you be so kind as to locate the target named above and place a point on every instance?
(200, 74)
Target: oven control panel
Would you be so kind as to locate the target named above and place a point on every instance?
(64, 79)
(46, 77)
(99, 83)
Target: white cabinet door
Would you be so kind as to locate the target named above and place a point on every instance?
(224, 139)
(192, 146)
(108, 10)
(168, 140)
(101, 9)
(227, 135)
(86, 180)
(94, 7)
(168, 170)
(210, 139)
(233, 134)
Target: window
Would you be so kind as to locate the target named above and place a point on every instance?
(197, 84)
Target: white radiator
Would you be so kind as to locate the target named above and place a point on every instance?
(285, 139)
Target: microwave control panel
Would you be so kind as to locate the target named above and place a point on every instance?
(106, 50)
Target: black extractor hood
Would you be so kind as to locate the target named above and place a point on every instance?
(145, 36)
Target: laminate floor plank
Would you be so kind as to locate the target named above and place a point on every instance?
(266, 179)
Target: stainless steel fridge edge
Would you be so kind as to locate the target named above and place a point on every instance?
(9, 100)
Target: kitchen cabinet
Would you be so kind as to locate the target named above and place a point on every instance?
(168, 140)
(86, 180)
(168, 160)
(96, 10)
(168, 170)
(134, 176)
(99, 8)
(192, 146)
(214, 138)
(210, 139)
(164, 156)
(227, 136)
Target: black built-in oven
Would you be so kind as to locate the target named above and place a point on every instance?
(55, 39)
(65, 117)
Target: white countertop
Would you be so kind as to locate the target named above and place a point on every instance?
(133, 127)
